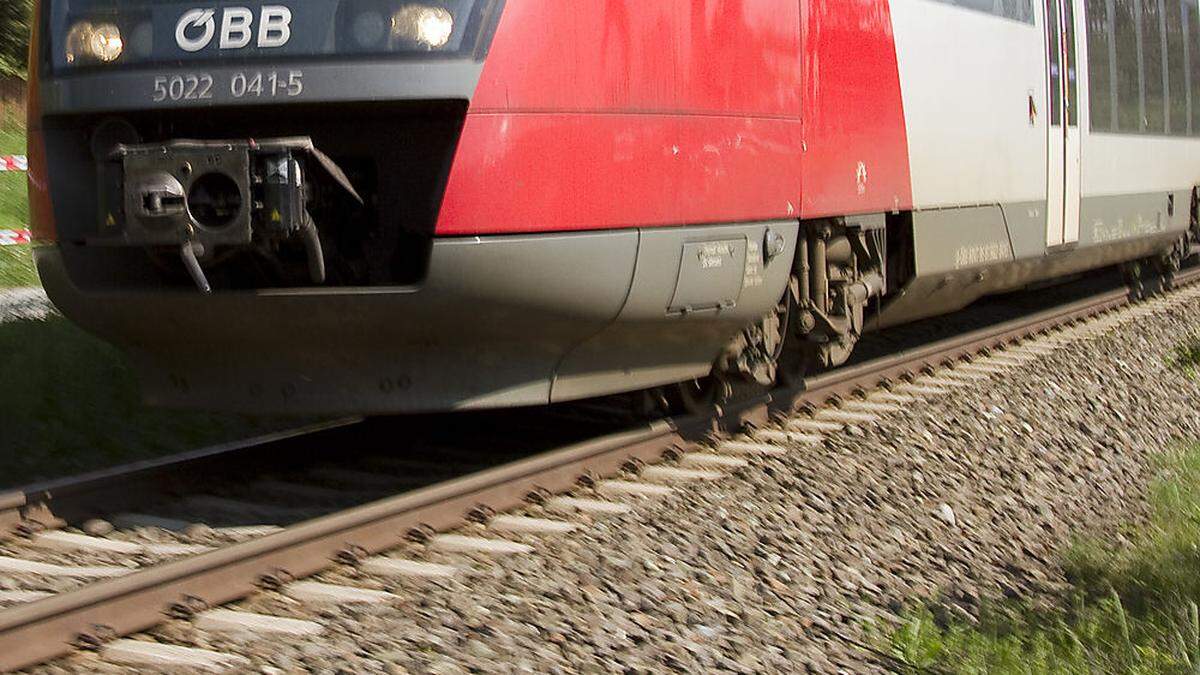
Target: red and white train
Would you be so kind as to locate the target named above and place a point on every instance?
(379, 206)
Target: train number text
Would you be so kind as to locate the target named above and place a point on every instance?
(197, 87)
(267, 85)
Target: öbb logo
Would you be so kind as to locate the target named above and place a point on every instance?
(197, 28)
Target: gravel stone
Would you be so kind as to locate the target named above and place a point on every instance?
(24, 304)
(947, 515)
(97, 528)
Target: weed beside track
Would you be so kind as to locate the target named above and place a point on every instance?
(1186, 357)
(1130, 608)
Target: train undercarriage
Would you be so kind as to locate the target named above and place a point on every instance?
(841, 277)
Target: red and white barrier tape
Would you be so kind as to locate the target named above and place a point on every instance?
(14, 237)
(14, 163)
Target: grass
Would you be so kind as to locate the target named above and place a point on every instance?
(1186, 357)
(70, 404)
(16, 262)
(12, 130)
(14, 203)
(1131, 611)
(16, 267)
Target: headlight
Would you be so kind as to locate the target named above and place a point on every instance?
(94, 43)
(415, 28)
(429, 26)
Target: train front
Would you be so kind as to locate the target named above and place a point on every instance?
(244, 199)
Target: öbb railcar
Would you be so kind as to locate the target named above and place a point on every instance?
(380, 206)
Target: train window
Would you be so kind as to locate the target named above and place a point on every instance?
(1018, 10)
(1129, 96)
(1072, 64)
(1054, 42)
(1153, 49)
(1192, 16)
(1177, 90)
(1021, 10)
(1101, 92)
(977, 5)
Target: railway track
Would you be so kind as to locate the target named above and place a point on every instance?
(85, 587)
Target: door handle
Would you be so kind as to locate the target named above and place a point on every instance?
(1033, 111)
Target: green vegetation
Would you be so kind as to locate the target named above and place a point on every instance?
(1130, 611)
(14, 209)
(1186, 357)
(14, 35)
(16, 262)
(71, 404)
(16, 267)
(12, 130)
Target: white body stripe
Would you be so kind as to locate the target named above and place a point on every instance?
(966, 78)
(1122, 165)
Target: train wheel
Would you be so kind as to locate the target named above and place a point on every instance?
(1149, 277)
(761, 355)
(1168, 265)
(651, 403)
(775, 352)
(701, 395)
(797, 362)
(797, 357)
(1134, 274)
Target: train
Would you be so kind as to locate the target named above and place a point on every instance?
(398, 206)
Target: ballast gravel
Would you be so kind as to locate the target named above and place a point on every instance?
(24, 304)
(781, 566)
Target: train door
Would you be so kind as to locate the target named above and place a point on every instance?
(1063, 189)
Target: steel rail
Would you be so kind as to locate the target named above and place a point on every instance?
(885, 370)
(45, 504)
(34, 633)
(49, 628)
